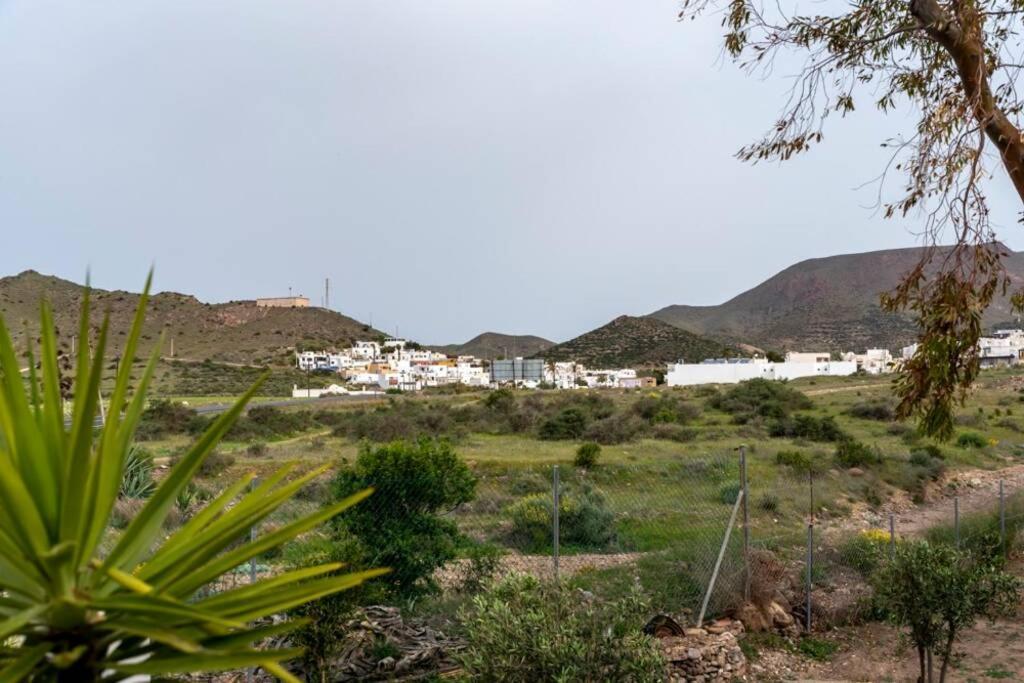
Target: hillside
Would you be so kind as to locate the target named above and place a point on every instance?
(234, 332)
(495, 344)
(637, 342)
(827, 303)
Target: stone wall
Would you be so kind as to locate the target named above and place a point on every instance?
(702, 655)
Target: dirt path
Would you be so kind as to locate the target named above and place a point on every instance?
(837, 390)
(978, 490)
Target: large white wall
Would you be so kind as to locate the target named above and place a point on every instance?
(685, 374)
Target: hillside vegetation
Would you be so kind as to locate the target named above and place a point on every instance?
(233, 332)
(637, 342)
(829, 303)
(496, 345)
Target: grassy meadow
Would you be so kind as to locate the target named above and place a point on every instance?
(667, 475)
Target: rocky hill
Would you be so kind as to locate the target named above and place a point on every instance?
(826, 303)
(638, 342)
(234, 332)
(495, 344)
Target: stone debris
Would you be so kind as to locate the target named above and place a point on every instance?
(707, 654)
(410, 648)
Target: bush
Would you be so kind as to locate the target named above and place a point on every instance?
(866, 551)
(674, 432)
(584, 521)
(162, 418)
(873, 410)
(795, 459)
(401, 526)
(1009, 423)
(971, 440)
(728, 493)
(759, 398)
(851, 453)
(216, 463)
(807, 427)
(587, 454)
(568, 424)
(665, 409)
(256, 450)
(769, 503)
(615, 429)
(522, 630)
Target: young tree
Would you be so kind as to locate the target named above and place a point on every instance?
(955, 65)
(935, 592)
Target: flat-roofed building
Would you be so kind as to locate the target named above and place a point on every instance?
(283, 302)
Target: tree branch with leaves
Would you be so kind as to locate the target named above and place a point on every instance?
(955, 64)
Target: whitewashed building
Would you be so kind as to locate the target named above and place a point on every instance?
(733, 370)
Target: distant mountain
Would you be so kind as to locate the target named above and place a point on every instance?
(235, 332)
(637, 342)
(495, 344)
(824, 303)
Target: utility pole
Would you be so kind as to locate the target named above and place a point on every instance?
(327, 292)
(172, 347)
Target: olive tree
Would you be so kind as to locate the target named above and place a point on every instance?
(954, 66)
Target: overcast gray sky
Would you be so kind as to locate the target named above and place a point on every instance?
(453, 166)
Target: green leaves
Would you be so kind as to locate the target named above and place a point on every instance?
(62, 601)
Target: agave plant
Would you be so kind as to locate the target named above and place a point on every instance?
(137, 480)
(70, 611)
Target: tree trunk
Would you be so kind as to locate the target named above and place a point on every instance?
(946, 656)
(931, 668)
(966, 49)
(920, 660)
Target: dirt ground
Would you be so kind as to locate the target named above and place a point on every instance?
(875, 652)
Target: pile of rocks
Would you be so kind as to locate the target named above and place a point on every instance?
(702, 655)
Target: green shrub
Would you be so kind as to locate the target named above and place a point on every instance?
(522, 630)
(415, 483)
(584, 521)
(800, 462)
(216, 463)
(256, 449)
(769, 503)
(807, 427)
(587, 454)
(674, 432)
(851, 453)
(728, 493)
(1009, 423)
(817, 648)
(568, 424)
(759, 398)
(873, 410)
(865, 551)
(614, 429)
(665, 409)
(971, 440)
(162, 418)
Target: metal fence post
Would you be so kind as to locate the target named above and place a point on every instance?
(1002, 514)
(554, 519)
(892, 536)
(810, 570)
(956, 519)
(745, 493)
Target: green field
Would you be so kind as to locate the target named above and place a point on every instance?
(670, 499)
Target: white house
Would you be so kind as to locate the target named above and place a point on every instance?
(732, 371)
(873, 361)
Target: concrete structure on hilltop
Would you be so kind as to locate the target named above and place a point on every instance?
(283, 302)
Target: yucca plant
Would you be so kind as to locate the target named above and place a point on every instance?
(70, 611)
(137, 478)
